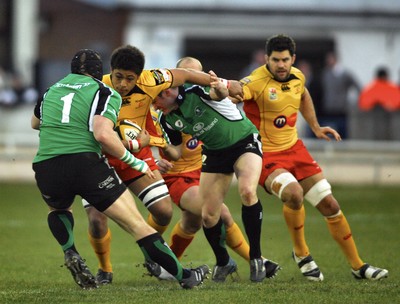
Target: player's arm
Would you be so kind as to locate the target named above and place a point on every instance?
(218, 89)
(35, 122)
(308, 111)
(103, 131)
(180, 76)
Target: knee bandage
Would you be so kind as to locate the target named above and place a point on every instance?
(153, 193)
(318, 192)
(280, 182)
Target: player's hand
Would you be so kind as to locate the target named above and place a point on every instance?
(235, 90)
(324, 132)
(164, 166)
(150, 173)
(144, 138)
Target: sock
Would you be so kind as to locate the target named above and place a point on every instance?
(295, 223)
(236, 241)
(216, 237)
(252, 221)
(341, 233)
(155, 249)
(180, 240)
(61, 224)
(160, 229)
(102, 249)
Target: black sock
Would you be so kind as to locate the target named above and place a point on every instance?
(252, 221)
(61, 224)
(216, 236)
(155, 249)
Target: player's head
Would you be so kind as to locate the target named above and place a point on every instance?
(128, 58)
(280, 43)
(189, 63)
(87, 62)
(168, 100)
(127, 63)
(280, 53)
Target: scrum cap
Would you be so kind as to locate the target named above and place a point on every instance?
(87, 61)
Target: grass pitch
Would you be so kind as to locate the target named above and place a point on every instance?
(31, 259)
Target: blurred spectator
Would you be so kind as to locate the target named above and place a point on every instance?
(15, 92)
(380, 92)
(337, 85)
(257, 60)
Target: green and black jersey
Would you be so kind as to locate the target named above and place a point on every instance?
(66, 115)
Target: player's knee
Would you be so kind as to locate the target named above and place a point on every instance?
(279, 187)
(318, 192)
(162, 212)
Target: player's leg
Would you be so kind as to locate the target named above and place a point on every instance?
(155, 196)
(59, 196)
(212, 190)
(234, 236)
(284, 185)
(247, 169)
(191, 221)
(125, 213)
(319, 194)
(100, 239)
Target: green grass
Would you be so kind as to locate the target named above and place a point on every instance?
(31, 272)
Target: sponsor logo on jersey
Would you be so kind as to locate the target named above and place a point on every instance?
(285, 87)
(197, 127)
(280, 121)
(192, 143)
(272, 94)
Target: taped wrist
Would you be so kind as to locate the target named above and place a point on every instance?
(134, 145)
(134, 163)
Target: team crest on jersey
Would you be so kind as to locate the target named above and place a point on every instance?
(199, 111)
(272, 94)
(160, 76)
(192, 143)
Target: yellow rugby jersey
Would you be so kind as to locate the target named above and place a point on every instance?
(190, 159)
(272, 106)
(136, 105)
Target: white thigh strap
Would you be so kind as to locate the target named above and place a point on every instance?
(153, 193)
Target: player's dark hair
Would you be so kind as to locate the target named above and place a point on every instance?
(128, 58)
(280, 43)
(87, 61)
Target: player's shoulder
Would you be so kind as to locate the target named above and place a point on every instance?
(297, 73)
(154, 77)
(259, 74)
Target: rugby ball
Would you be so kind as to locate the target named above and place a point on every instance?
(127, 129)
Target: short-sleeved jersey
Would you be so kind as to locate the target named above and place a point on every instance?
(66, 115)
(136, 105)
(273, 106)
(218, 124)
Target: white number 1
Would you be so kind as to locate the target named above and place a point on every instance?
(67, 107)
